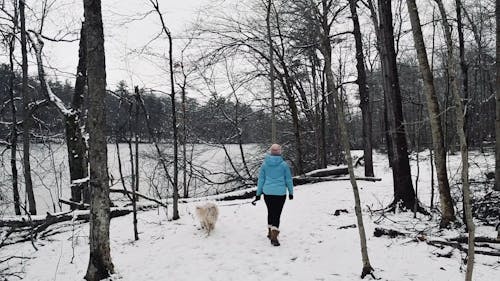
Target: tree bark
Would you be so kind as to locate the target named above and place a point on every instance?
(367, 268)
(403, 186)
(364, 95)
(326, 51)
(26, 113)
(463, 141)
(175, 215)
(463, 64)
(271, 71)
(75, 142)
(135, 187)
(185, 186)
(448, 213)
(13, 129)
(497, 99)
(100, 264)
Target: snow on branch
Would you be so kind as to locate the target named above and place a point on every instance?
(47, 91)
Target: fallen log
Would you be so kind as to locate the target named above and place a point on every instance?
(388, 232)
(36, 221)
(38, 225)
(465, 239)
(339, 211)
(76, 205)
(326, 173)
(51, 219)
(307, 180)
(458, 245)
(245, 195)
(348, 226)
(123, 191)
(452, 242)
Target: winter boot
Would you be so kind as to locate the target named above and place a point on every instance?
(274, 236)
(269, 232)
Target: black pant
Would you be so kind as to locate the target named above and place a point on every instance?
(274, 205)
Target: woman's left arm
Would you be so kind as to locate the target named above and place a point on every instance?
(288, 180)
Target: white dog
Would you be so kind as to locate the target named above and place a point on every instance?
(207, 214)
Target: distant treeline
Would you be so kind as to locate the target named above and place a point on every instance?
(211, 122)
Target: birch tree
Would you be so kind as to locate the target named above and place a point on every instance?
(459, 112)
(333, 92)
(448, 213)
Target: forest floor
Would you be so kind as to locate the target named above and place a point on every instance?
(313, 245)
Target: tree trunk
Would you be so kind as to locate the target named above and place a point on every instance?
(135, 186)
(271, 71)
(497, 98)
(326, 51)
(448, 213)
(463, 63)
(75, 142)
(175, 215)
(463, 142)
(318, 117)
(184, 142)
(13, 129)
(403, 186)
(367, 268)
(100, 264)
(26, 113)
(364, 95)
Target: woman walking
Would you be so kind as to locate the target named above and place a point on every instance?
(274, 180)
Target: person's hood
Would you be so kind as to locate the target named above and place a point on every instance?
(273, 160)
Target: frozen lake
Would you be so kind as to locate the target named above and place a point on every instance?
(51, 181)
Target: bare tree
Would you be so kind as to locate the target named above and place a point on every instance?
(271, 70)
(100, 264)
(175, 215)
(448, 213)
(26, 112)
(364, 94)
(459, 112)
(464, 69)
(135, 185)
(75, 142)
(332, 91)
(403, 186)
(367, 268)
(497, 98)
(76, 145)
(13, 131)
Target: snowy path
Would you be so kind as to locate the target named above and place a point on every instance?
(313, 248)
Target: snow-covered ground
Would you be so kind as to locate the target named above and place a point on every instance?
(313, 247)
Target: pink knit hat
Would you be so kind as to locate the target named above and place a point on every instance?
(275, 149)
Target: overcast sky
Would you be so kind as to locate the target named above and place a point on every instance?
(127, 30)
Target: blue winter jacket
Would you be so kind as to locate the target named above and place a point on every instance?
(274, 177)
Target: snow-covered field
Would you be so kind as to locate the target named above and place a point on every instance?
(313, 247)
